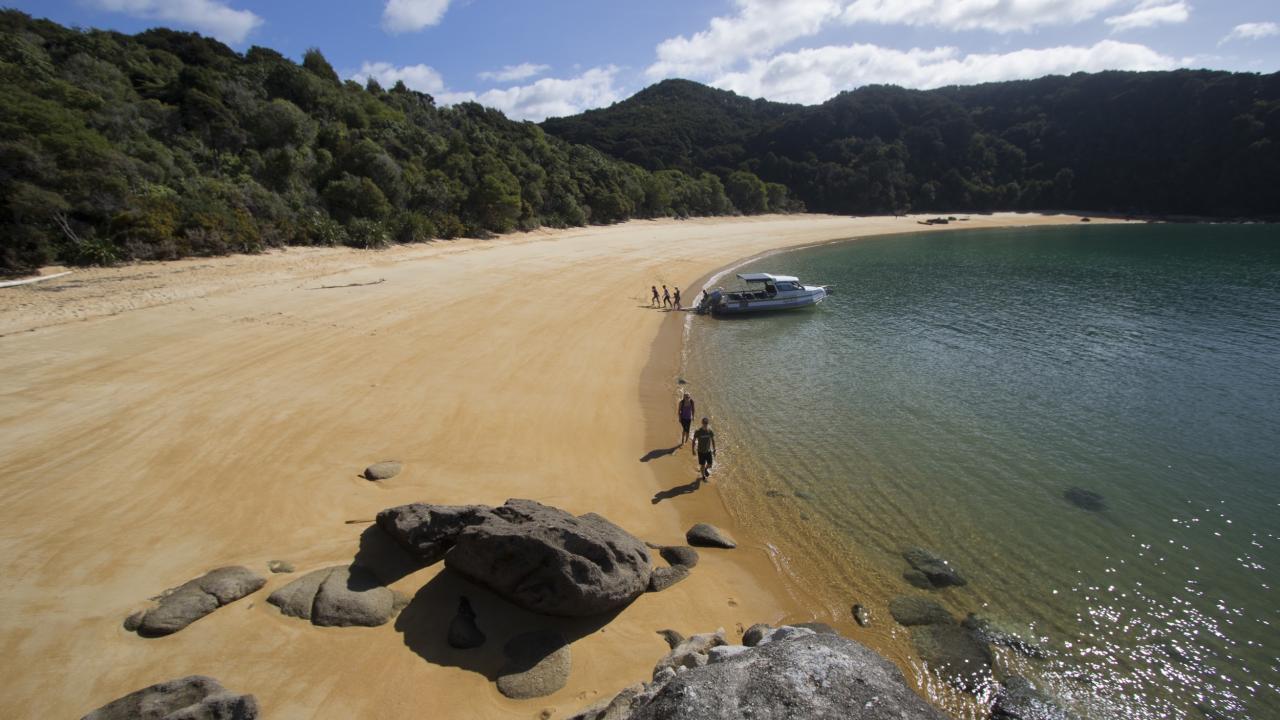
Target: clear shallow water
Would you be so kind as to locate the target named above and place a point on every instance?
(957, 384)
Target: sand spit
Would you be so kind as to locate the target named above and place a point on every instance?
(161, 420)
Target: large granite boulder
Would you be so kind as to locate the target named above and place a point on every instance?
(708, 535)
(178, 607)
(930, 571)
(341, 596)
(429, 531)
(791, 673)
(384, 470)
(194, 697)
(538, 557)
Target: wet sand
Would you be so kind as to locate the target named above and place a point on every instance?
(160, 420)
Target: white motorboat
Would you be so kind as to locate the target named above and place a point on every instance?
(765, 292)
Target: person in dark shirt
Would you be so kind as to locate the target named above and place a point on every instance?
(666, 296)
(676, 298)
(655, 299)
(684, 411)
(704, 446)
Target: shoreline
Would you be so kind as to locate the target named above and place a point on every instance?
(161, 420)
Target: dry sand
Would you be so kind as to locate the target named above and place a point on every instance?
(163, 419)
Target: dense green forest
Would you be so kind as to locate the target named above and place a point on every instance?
(167, 144)
(1183, 142)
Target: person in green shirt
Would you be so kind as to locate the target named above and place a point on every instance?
(704, 446)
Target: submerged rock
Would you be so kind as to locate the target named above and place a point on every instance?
(179, 607)
(707, 535)
(1018, 699)
(861, 616)
(342, 596)
(464, 633)
(194, 697)
(989, 633)
(1085, 499)
(955, 654)
(911, 610)
(936, 571)
(384, 470)
(537, 664)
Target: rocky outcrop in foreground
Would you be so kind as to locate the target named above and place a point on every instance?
(341, 596)
(536, 556)
(178, 607)
(194, 697)
(790, 673)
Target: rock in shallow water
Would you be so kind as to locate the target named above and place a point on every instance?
(955, 654)
(1018, 699)
(195, 697)
(183, 605)
(707, 535)
(912, 610)
(938, 572)
(1085, 499)
(538, 664)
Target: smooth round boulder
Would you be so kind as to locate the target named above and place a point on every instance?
(537, 664)
(679, 555)
(384, 470)
(342, 596)
(179, 607)
(708, 535)
(664, 577)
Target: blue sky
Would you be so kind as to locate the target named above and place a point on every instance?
(556, 57)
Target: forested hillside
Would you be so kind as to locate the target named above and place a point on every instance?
(167, 144)
(1184, 142)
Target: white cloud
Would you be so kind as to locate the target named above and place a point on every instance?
(511, 73)
(815, 75)
(422, 78)
(1149, 13)
(758, 27)
(412, 15)
(548, 97)
(212, 17)
(995, 15)
(1251, 31)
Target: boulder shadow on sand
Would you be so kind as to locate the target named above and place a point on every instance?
(424, 624)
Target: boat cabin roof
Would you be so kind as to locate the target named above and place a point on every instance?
(766, 277)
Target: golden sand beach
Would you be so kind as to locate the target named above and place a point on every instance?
(160, 420)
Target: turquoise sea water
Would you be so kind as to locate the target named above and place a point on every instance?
(957, 384)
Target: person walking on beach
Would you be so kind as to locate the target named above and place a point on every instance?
(654, 301)
(704, 446)
(684, 411)
(677, 298)
(666, 297)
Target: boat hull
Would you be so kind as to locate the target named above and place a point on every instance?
(751, 307)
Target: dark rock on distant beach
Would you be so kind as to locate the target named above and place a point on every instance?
(1085, 499)
(861, 616)
(989, 633)
(429, 531)
(280, 566)
(342, 596)
(179, 607)
(195, 697)
(955, 654)
(798, 675)
(913, 610)
(537, 664)
(707, 535)
(1018, 699)
(464, 633)
(384, 470)
(664, 577)
(548, 561)
(679, 555)
(938, 571)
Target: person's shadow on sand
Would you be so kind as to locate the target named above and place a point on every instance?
(660, 452)
(675, 491)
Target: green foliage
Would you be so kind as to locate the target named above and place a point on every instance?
(747, 192)
(167, 144)
(1184, 142)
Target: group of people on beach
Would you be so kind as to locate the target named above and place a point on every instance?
(666, 300)
(704, 438)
